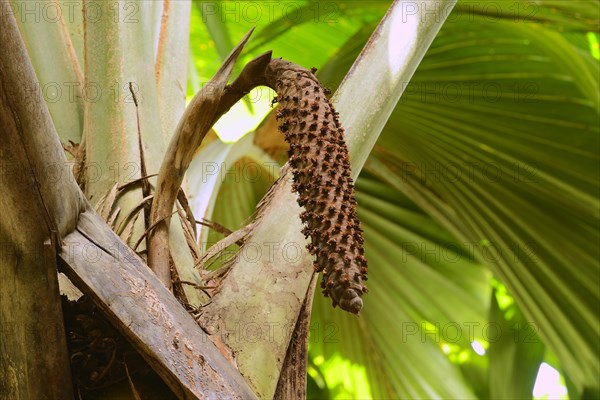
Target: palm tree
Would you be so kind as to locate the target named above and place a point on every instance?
(478, 195)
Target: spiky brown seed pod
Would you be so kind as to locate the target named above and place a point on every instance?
(321, 168)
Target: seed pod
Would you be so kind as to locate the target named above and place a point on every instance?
(325, 190)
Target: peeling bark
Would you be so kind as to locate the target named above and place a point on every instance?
(147, 314)
(292, 380)
(215, 99)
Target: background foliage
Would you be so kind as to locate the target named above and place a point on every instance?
(479, 202)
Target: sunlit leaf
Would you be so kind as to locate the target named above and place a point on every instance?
(515, 353)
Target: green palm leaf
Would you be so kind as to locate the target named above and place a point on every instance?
(512, 174)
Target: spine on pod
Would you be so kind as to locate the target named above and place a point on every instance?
(320, 164)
